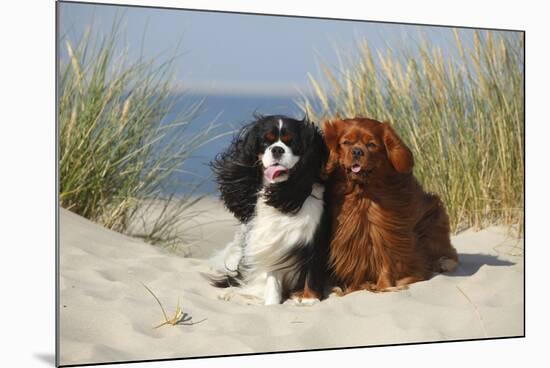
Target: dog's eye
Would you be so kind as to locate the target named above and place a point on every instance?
(371, 145)
(287, 139)
(346, 143)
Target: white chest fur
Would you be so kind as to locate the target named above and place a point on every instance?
(261, 244)
(273, 234)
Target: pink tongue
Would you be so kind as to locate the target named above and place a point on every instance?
(356, 168)
(272, 172)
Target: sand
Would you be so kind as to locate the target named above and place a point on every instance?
(106, 314)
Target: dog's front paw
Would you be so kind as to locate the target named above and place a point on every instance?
(446, 264)
(299, 299)
(227, 295)
(239, 297)
(337, 291)
(306, 302)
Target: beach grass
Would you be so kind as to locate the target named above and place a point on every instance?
(463, 117)
(123, 136)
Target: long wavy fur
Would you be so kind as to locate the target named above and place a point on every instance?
(239, 177)
(239, 174)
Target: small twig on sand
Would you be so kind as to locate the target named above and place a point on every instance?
(475, 308)
(179, 317)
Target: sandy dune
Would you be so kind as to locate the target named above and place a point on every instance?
(107, 315)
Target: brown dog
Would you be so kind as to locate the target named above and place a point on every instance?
(386, 231)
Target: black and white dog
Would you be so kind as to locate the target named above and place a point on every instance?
(270, 179)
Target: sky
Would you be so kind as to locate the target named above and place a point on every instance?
(240, 53)
(242, 64)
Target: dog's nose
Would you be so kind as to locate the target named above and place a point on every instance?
(277, 151)
(357, 152)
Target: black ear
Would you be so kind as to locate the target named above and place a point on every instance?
(288, 196)
(239, 174)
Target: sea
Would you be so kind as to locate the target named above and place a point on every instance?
(229, 112)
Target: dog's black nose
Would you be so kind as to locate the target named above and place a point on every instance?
(357, 152)
(277, 151)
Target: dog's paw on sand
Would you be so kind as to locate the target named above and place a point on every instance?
(367, 286)
(336, 291)
(301, 302)
(446, 264)
(232, 295)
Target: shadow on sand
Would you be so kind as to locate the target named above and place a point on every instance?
(469, 264)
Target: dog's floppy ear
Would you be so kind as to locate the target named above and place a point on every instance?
(331, 132)
(399, 154)
(238, 173)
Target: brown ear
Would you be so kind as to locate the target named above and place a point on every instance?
(399, 154)
(331, 133)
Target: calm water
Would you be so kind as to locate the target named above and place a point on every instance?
(231, 112)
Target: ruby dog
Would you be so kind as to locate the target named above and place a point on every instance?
(386, 231)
